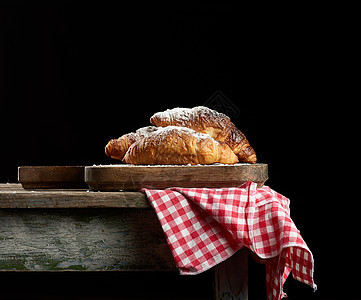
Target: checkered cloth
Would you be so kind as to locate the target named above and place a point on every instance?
(205, 226)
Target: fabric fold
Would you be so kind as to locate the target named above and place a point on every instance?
(204, 226)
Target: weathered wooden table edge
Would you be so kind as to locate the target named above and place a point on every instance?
(70, 230)
(39, 232)
(13, 196)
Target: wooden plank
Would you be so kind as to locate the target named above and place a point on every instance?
(14, 196)
(231, 277)
(52, 177)
(84, 240)
(134, 177)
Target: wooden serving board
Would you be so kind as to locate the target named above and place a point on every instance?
(51, 177)
(135, 177)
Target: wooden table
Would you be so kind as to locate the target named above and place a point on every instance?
(80, 230)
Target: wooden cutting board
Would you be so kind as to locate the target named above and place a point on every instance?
(52, 177)
(134, 177)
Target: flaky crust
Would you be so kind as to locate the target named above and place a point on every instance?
(175, 145)
(205, 120)
(116, 148)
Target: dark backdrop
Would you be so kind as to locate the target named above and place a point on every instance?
(75, 75)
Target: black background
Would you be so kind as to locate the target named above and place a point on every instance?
(74, 75)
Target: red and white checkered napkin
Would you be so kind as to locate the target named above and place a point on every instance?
(205, 226)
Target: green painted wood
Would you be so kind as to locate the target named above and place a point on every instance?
(82, 240)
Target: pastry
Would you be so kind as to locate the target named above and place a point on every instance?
(205, 120)
(116, 148)
(178, 146)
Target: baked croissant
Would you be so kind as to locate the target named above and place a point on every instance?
(175, 145)
(116, 148)
(205, 120)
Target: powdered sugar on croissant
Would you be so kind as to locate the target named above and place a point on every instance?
(116, 148)
(205, 120)
(179, 146)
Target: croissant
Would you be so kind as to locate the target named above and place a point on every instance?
(175, 145)
(205, 120)
(116, 148)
